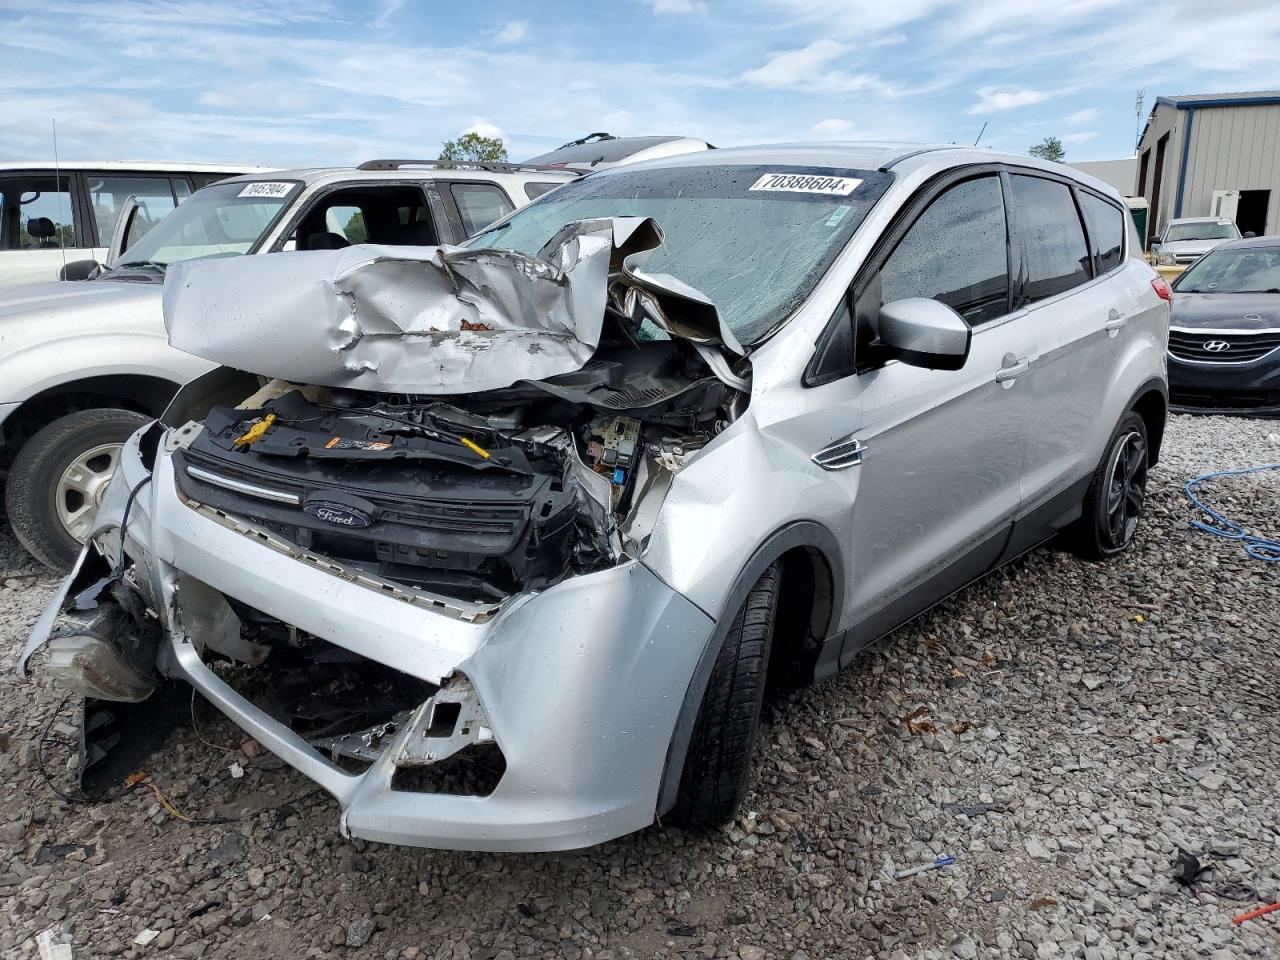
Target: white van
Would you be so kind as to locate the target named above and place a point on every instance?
(53, 217)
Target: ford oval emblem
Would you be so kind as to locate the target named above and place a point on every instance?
(338, 514)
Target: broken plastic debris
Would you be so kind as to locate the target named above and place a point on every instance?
(946, 861)
(50, 949)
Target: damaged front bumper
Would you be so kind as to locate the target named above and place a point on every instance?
(577, 687)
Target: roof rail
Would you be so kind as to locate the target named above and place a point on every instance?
(590, 137)
(490, 167)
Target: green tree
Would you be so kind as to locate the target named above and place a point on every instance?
(473, 148)
(1049, 149)
(355, 229)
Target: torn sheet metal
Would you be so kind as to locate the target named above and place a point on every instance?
(445, 320)
(681, 310)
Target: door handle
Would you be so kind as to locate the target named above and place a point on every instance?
(1115, 322)
(1012, 371)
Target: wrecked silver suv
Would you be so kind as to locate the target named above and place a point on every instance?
(500, 544)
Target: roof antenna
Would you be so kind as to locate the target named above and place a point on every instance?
(980, 133)
(57, 177)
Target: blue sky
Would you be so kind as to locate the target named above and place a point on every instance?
(294, 83)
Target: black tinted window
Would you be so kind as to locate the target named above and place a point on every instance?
(1051, 236)
(955, 253)
(1106, 230)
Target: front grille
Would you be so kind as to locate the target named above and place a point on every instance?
(1209, 347)
(1186, 257)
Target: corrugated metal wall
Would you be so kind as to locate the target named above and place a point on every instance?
(1232, 148)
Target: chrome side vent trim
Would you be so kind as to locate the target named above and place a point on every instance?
(846, 452)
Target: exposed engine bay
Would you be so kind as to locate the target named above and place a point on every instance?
(515, 491)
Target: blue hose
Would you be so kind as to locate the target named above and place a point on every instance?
(1260, 548)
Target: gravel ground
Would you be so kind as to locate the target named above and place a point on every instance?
(1072, 725)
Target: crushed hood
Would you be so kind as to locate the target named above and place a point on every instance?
(428, 319)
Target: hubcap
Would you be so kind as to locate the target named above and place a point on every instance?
(1126, 488)
(81, 487)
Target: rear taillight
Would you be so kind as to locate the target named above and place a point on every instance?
(1161, 286)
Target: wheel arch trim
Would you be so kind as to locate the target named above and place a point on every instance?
(802, 533)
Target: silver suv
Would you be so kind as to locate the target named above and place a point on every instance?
(502, 545)
(82, 365)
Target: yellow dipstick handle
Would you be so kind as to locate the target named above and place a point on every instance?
(257, 430)
(475, 448)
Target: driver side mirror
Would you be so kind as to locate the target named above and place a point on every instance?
(1248, 235)
(80, 270)
(925, 333)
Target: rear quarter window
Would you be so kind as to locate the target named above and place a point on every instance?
(1106, 230)
(479, 204)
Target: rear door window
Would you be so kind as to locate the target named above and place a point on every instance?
(108, 193)
(1106, 231)
(479, 204)
(1051, 237)
(956, 252)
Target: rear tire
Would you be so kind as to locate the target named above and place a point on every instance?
(1116, 495)
(57, 478)
(714, 780)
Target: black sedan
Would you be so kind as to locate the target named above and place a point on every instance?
(1224, 339)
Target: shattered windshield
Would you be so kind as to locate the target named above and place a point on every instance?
(223, 220)
(755, 239)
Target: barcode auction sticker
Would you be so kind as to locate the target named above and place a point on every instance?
(272, 189)
(807, 183)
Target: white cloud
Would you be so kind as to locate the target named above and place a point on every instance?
(678, 6)
(995, 99)
(486, 129)
(256, 97)
(833, 128)
(807, 69)
(1081, 117)
(889, 40)
(1082, 136)
(513, 32)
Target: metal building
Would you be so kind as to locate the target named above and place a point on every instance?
(1213, 154)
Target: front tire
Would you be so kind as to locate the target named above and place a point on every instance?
(58, 478)
(714, 780)
(1117, 493)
